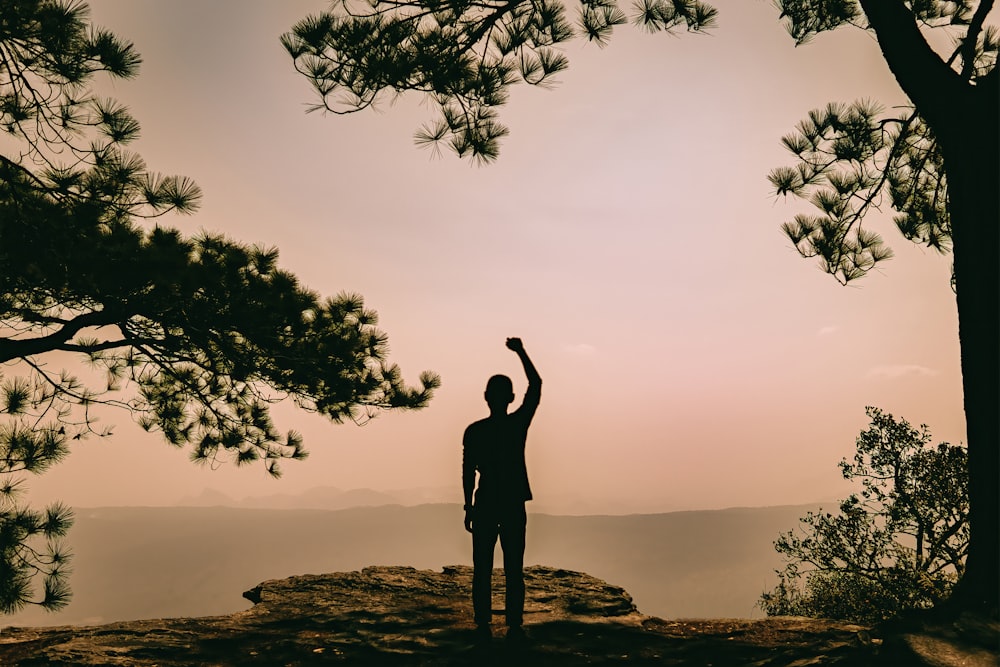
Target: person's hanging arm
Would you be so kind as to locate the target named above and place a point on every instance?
(468, 479)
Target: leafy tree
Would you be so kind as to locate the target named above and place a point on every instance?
(939, 163)
(899, 543)
(208, 331)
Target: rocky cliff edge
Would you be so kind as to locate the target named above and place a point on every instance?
(403, 616)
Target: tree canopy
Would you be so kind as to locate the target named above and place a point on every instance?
(465, 55)
(462, 54)
(207, 331)
(850, 157)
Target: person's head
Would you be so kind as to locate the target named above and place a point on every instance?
(499, 393)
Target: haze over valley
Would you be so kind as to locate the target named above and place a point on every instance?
(150, 562)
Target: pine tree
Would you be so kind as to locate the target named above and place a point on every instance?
(194, 337)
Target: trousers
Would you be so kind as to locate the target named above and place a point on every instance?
(508, 522)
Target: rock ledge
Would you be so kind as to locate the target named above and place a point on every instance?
(403, 616)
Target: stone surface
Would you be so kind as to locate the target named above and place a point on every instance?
(967, 641)
(403, 616)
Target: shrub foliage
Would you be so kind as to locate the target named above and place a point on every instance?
(899, 543)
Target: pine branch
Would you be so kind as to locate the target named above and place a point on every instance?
(22, 348)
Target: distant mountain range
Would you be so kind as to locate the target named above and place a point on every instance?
(150, 562)
(334, 498)
(325, 498)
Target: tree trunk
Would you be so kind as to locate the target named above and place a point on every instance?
(965, 118)
(973, 170)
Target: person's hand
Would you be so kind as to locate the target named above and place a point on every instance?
(468, 520)
(515, 344)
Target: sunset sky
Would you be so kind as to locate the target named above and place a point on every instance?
(628, 234)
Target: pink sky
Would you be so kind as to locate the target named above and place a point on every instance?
(690, 358)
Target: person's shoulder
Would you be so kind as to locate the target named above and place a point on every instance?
(476, 426)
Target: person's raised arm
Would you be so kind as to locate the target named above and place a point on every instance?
(534, 392)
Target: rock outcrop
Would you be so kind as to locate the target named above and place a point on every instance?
(403, 616)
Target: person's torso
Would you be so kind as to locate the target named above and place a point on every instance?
(499, 456)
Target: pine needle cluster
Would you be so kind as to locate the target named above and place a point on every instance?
(851, 158)
(462, 54)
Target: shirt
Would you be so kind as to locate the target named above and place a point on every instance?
(495, 447)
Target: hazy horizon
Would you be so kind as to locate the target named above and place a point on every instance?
(157, 562)
(691, 359)
(336, 498)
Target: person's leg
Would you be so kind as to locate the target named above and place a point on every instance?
(512, 531)
(484, 539)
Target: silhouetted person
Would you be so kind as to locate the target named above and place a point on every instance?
(495, 447)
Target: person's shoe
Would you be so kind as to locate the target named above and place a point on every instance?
(515, 635)
(483, 635)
